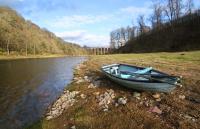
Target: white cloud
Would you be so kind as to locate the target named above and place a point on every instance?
(135, 10)
(86, 37)
(70, 35)
(82, 37)
(77, 20)
(81, 20)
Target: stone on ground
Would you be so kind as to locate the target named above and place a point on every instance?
(122, 101)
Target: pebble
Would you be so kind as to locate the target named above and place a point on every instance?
(193, 120)
(141, 103)
(75, 78)
(91, 86)
(187, 117)
(122, 101)
(181, 96)
(146, 103)
(156, 96)
(83, 96)
(96, 93)
(79, 81)
(105, 99)
(49, 117)
(73, 127)
(136, 94)
(86, 78)
(138, 98)
(158, 100)
(155, 110)
(105, 110)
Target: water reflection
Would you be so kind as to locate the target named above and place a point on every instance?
(27, 87)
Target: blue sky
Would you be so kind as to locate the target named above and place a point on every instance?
(86, 22)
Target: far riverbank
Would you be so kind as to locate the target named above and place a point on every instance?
(14, 57)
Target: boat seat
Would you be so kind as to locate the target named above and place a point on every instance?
(114, 70)
(125, 76)
(143, 71)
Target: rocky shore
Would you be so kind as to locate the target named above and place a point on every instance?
(66, 100)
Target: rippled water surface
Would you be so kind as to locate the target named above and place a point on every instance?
(29, 86)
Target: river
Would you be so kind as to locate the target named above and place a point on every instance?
(29, 86)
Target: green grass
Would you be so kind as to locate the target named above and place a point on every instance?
(180, 56)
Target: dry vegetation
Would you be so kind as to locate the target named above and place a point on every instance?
(177, 112)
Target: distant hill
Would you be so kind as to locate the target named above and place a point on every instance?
(182, 34)
(19, 36)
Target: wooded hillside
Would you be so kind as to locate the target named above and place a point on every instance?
(21, 37)
(182, 34)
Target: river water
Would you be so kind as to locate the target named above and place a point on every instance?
(29, 86)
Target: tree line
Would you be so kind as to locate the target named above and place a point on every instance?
(165, 12)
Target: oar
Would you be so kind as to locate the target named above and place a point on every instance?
(151, 78)
(155, 79)
(171, 76)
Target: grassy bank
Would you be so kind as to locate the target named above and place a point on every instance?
(177, 111)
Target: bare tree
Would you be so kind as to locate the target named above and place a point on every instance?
(189, 5)
(112, 40)
(26, 41)
(7, 46)
(173, 9)
(120, 36)
(157, 16)
(123, 36)
(130, 32)
(141, 23)
(8, 41)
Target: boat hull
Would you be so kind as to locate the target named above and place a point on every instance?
(141, 86)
